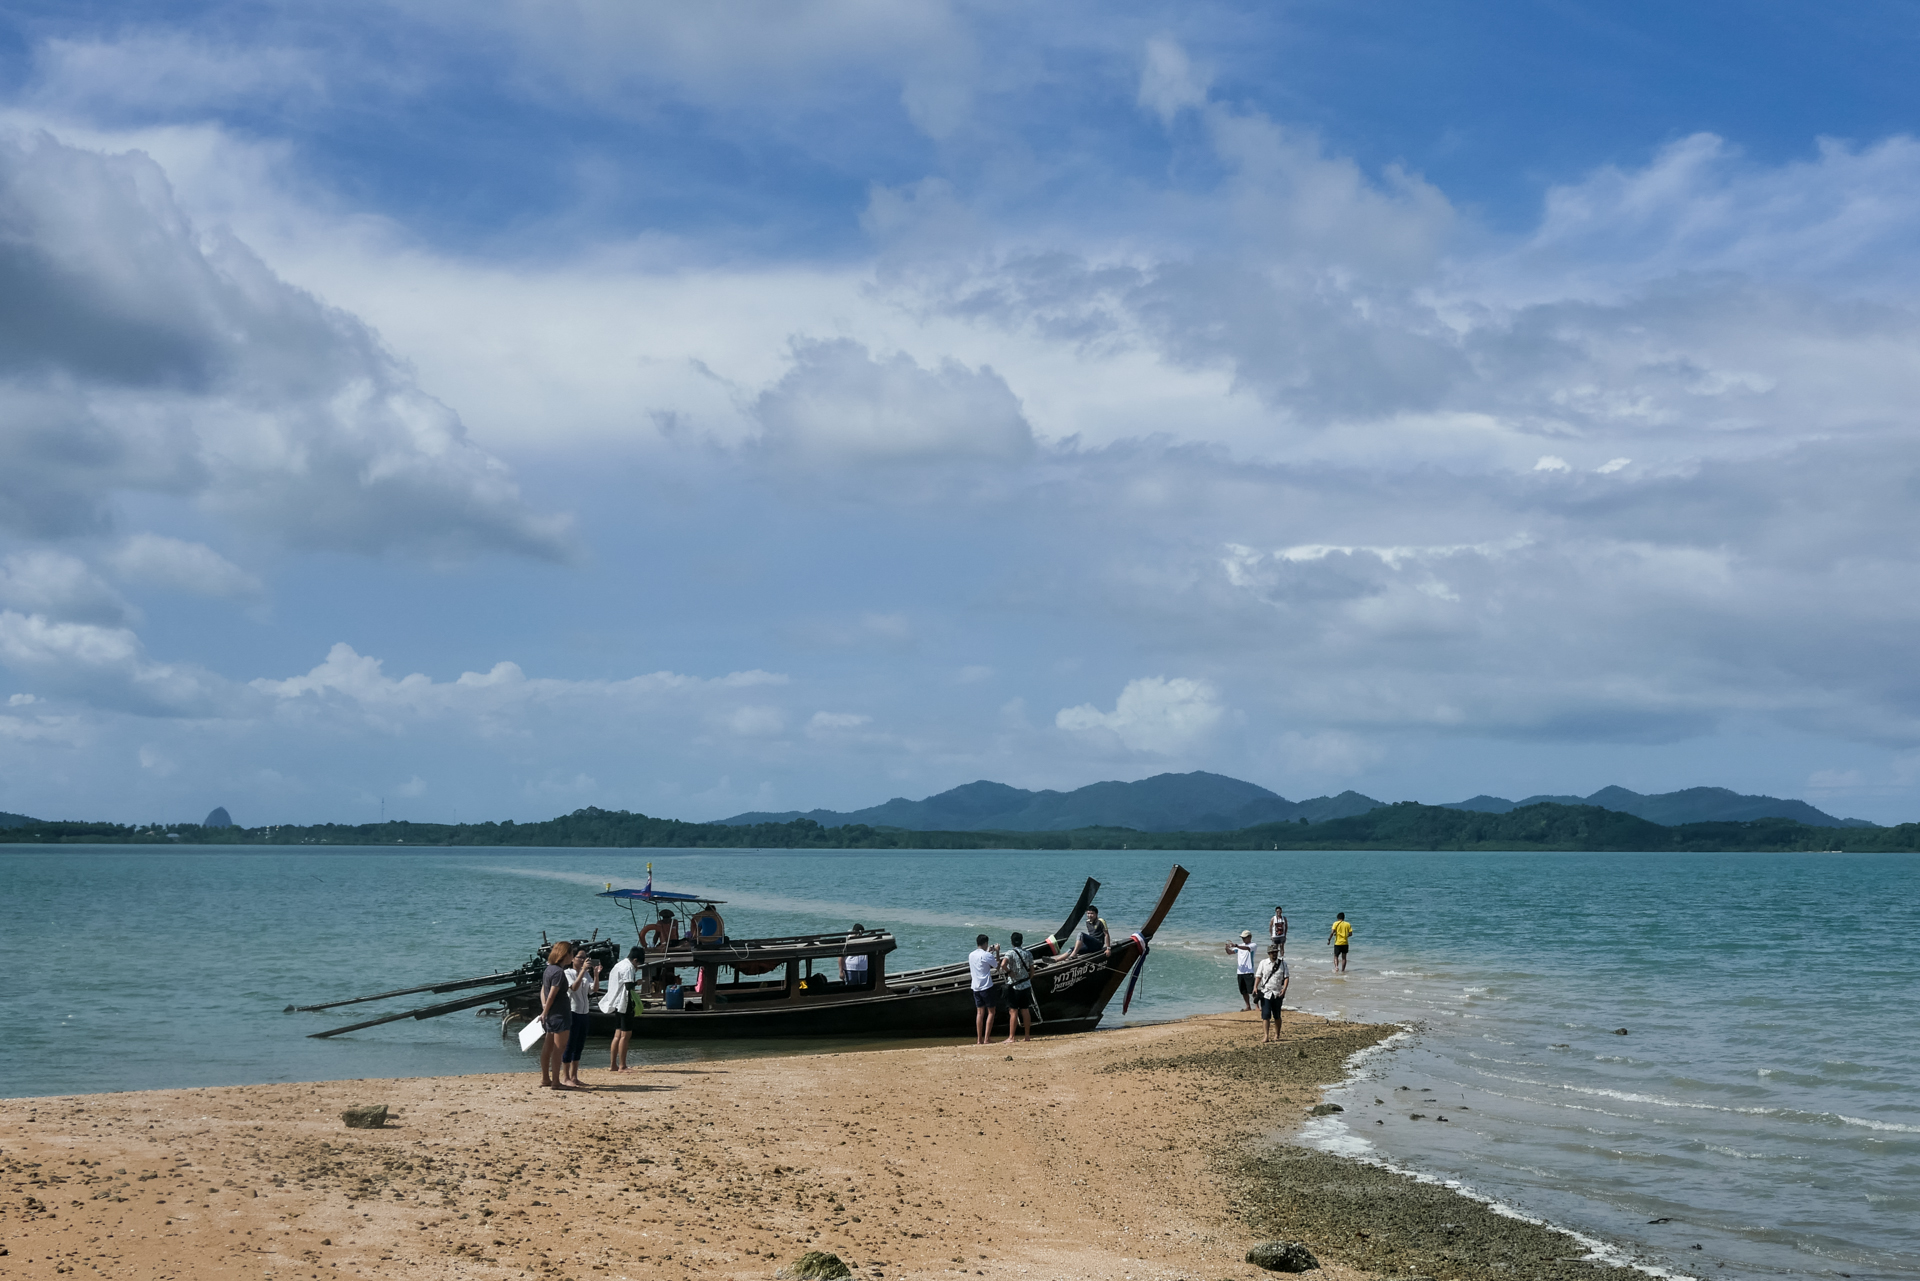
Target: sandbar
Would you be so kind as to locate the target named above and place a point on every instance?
(1140, 1154)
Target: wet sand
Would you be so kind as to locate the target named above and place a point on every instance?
(1143, 1153)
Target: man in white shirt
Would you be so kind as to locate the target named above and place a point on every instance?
(988, 997)
(1242, 953)
(853, 966)
(1271, 980)
(619, 1002)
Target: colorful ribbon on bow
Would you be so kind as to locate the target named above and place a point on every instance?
(1135, 976)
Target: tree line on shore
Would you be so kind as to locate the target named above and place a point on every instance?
(1405, 826)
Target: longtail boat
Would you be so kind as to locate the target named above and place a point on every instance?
(790, 986)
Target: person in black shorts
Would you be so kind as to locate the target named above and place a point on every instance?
(989, 998)
(1016, 964)
(621, 989)
(556, 1016)
(1242, 954)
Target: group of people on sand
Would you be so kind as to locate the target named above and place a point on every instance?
(1003, 980)
(1267, 981)
(566, 997)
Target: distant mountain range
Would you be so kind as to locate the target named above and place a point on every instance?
(1670, 809)
(1196, 802)
(1203, 802)
(16, 820)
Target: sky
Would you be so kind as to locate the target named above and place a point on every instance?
(475, 412)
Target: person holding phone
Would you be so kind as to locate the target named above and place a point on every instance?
(581, 977)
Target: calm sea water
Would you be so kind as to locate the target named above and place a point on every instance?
(1765, 1100)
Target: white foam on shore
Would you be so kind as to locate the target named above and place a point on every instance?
(1331, 1135)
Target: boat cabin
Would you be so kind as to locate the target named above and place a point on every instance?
(799, 968)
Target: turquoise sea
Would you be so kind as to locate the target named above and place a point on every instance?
(1764, 1104)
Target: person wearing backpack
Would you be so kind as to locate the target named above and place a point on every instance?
(1271, 980)
(1017, 964)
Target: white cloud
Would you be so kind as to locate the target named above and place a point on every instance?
(1169, 82)
(167, 73)
(499, 698)
(151, 560)
(1699, 207)
(839, 402)
(755, 721)
(61, 587)
(1550, 463)
(141, 355)
(106, 667)
(829, 722)
(1152, 714)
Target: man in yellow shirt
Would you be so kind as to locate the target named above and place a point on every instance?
(1342, 931)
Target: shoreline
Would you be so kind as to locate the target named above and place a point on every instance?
(1143, 1152)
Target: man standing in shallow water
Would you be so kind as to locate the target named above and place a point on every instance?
(1342, 931)
(1242, 954)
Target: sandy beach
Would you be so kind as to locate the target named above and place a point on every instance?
(1150, 1152)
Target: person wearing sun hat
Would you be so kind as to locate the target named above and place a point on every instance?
(1242, 953)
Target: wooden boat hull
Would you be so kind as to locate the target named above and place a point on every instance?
(1073, 994)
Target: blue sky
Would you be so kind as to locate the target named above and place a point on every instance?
(502, 409)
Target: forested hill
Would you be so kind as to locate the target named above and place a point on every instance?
(1405, 826)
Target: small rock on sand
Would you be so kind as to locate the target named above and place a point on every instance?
(1324, 1109)
(365, 1116)
(1282, 1256)
(815, 1265)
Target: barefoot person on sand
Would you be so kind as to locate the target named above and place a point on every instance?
(1271, 980)
(1342, 931)
(1017, 964)
(1242, 954)
(556, 1015)
(987, 995)
(581, 976)
(619, 1002)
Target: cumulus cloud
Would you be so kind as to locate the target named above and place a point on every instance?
(840, 402)
(357, 685)
(141, 355)
(61, 587)
(154, 561)
(107, 668)
(1153, 714)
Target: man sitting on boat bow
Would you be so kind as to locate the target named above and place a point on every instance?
(1093, 935)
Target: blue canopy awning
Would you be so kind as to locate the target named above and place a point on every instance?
(659, 896)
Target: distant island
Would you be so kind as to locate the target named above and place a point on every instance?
(1543, 826)
(1203, 802)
